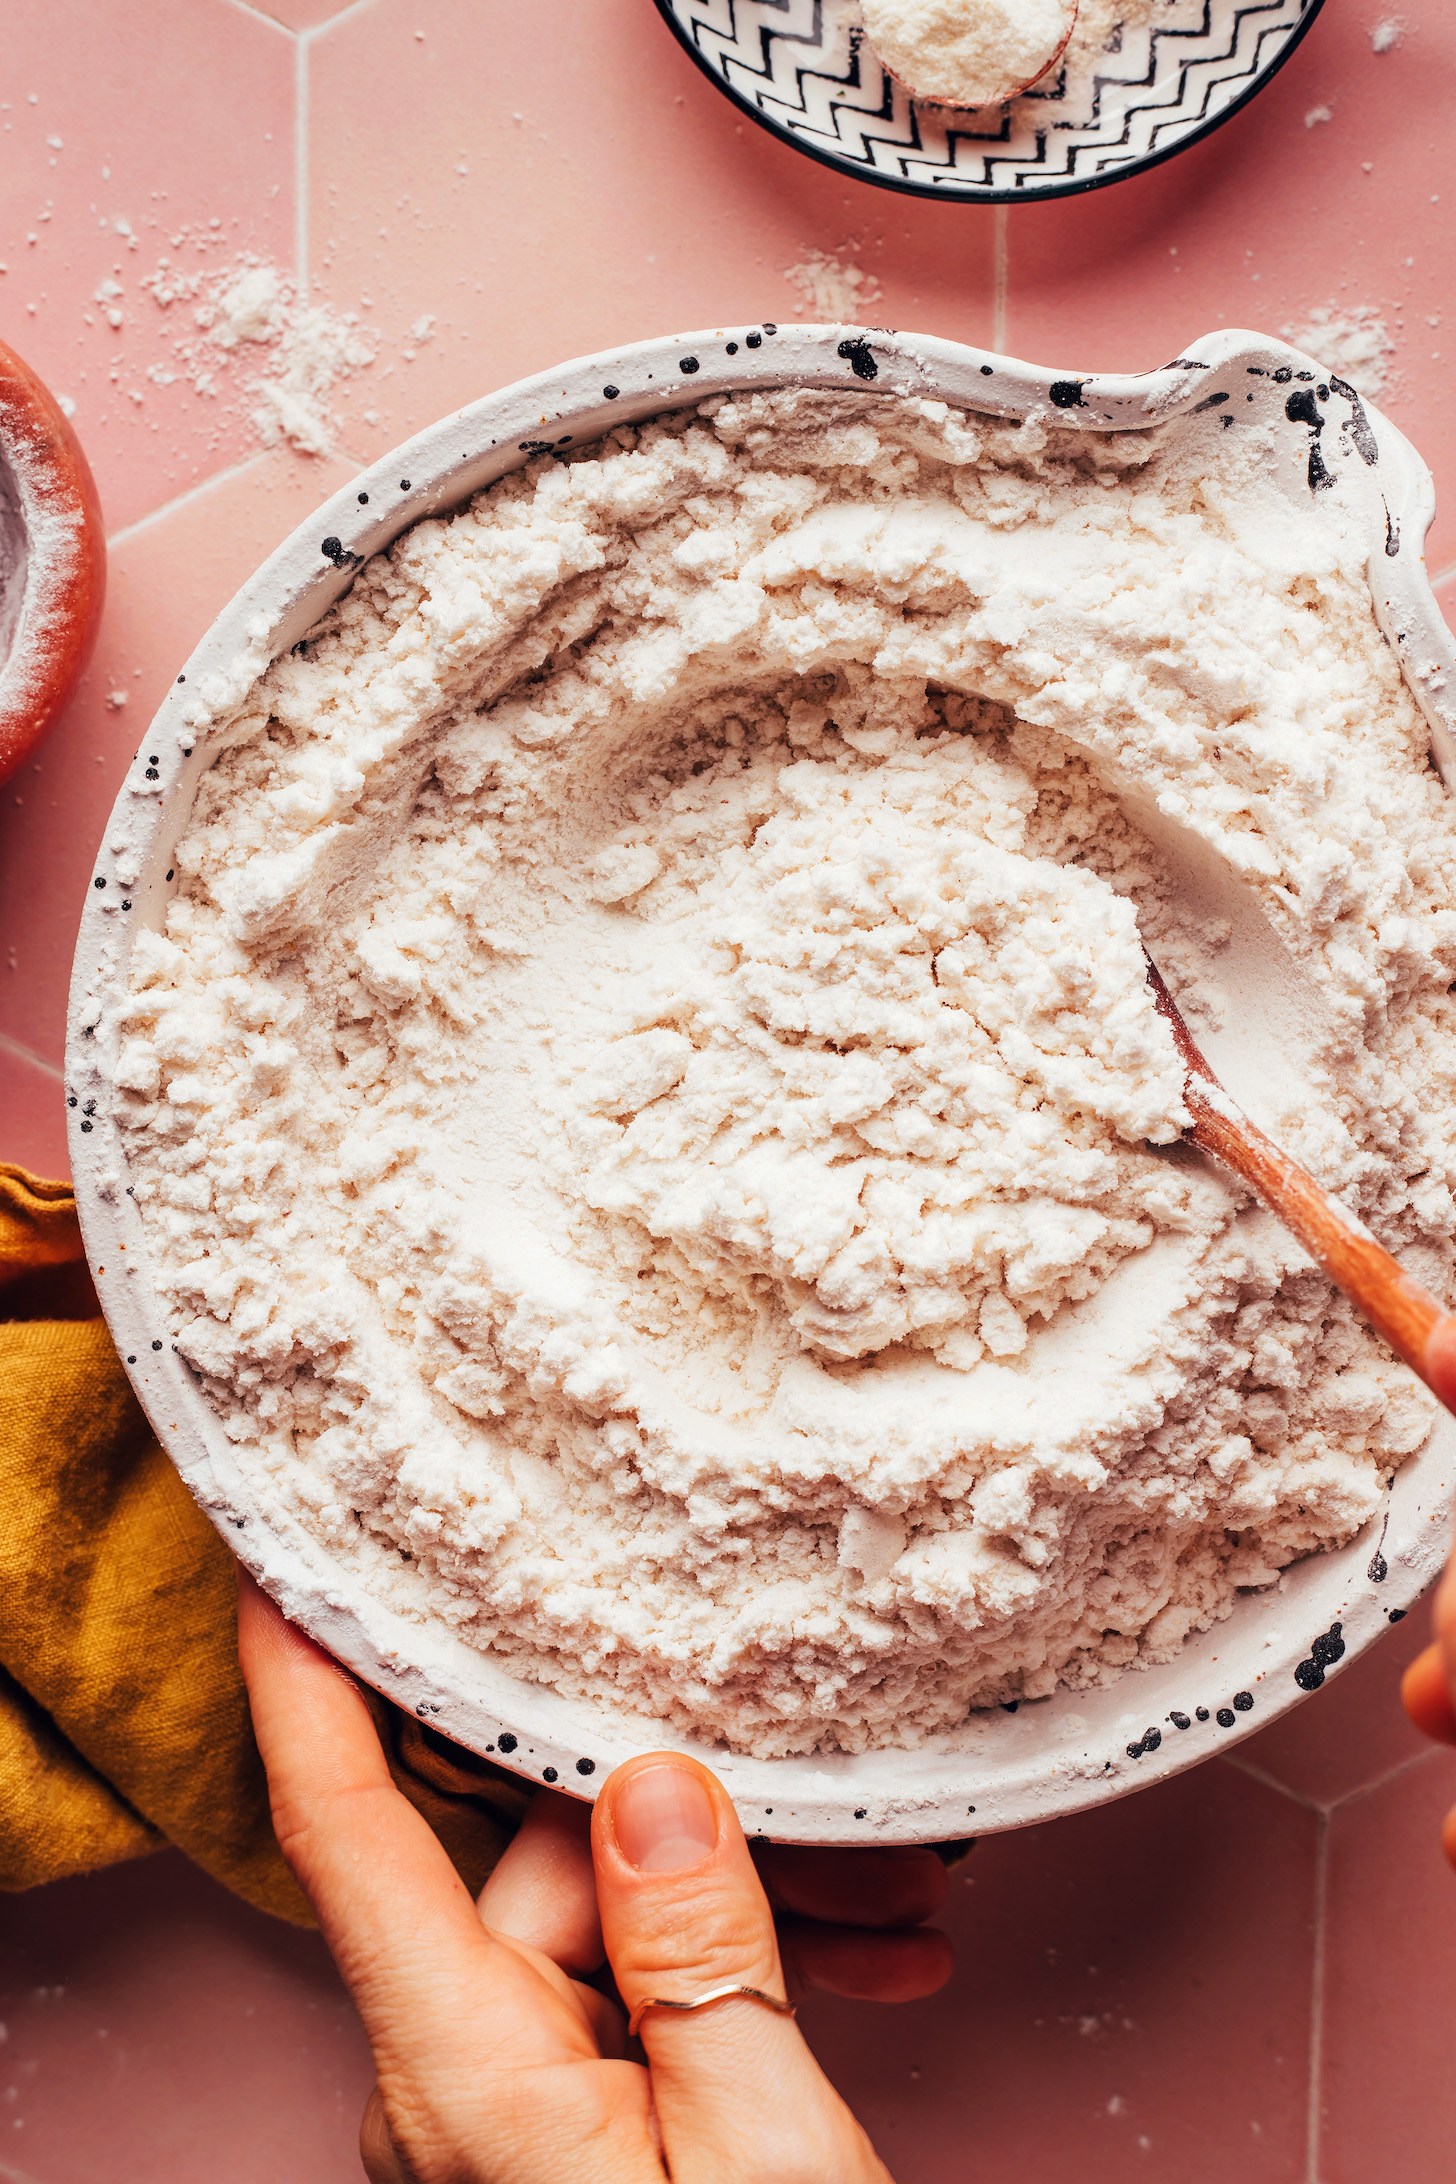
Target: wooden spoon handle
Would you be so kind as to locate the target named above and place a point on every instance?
(1415, 1324)
(1396, 1305)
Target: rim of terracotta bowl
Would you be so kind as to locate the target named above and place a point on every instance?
(52, 560)
(1004, 1767)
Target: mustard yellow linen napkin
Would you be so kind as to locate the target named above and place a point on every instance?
(123, 1720)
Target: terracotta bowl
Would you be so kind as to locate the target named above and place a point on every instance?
(52, 560)
(1001, 1768)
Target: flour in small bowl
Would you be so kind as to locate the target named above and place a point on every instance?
(646, 1110)
(969, 52)
(955, 53)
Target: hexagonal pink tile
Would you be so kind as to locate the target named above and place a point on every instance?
(161, 2032)
(562, 178)
(1388, 2095)
(174, 143)
(1131, 1998)
(168, 579)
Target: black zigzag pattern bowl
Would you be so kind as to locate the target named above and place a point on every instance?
(805, 70)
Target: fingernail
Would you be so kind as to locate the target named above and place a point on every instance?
(664, 1819)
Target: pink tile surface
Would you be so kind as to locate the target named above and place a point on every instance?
(160, 2032)
(1388, 2092)
(32, 1113)
(490, 189)
(537, 213)
(303, 14)
(167, 580)
(1132, 1998)
(175, 141)
(1351, 1733)
(1269, 219)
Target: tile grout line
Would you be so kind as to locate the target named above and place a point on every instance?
(261, 15)
(15, 2176)
(1255, 1773)
(129, 531)
(346, 14)
(1317, 2000)
(1000, 262)
(23, 1053)
(1383, 1782)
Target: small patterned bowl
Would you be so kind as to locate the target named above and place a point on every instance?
(804, 70)
(1002, 1768)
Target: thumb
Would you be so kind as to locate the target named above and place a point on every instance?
(737, 2093)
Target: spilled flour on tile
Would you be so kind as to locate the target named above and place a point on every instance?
(1111, 40)
(1351, 339)
(969, 56)
(646, 1113)
(832, 289)
(244, 325)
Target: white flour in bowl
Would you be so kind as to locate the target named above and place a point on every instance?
(646, 1112)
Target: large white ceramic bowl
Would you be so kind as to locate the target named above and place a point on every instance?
(1005, 1767)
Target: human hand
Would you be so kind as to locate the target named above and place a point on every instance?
(1427, 1685)
(497, 2062)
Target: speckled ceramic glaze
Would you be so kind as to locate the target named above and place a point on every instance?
(1007, 1766)
(805, 70)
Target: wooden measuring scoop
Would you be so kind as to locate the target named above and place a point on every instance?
(1404, 1314)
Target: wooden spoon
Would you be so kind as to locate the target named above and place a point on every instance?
(1404, 1314)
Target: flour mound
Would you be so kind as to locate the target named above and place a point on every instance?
(913, 1066)
(969, 52)
(646, 1111)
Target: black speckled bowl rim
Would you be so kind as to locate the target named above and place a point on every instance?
(1005, 1767)
(1034, 193)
